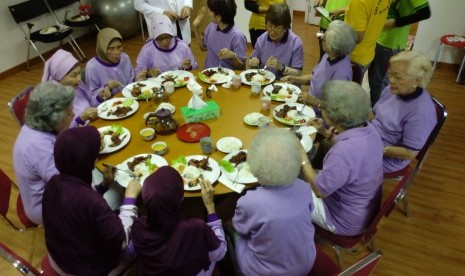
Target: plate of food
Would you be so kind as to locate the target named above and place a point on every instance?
(288, 114)
(117, 108)
(79, 18)
(49, 30)
(264, 77)
(141, 166)
(303, 134)
(179, 77)
(141, 90)
(282, 92)
(194, 168)
(252, 118)
(216, 75)
(235, 167)
(229, 144)
(113, 138)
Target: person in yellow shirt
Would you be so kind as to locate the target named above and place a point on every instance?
(367, 17)
(257, 19)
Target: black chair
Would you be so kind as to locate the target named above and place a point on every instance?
(23, 12)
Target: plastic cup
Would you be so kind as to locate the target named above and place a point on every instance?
(206, 144)
(236, 81)
(263, 122)
(256, 88)
(169, 87)
(266, 102)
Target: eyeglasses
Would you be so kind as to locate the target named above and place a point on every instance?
(162, 38)
(276, 28)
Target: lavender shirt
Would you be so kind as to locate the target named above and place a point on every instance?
(152, 56)
(351, 180)
(99, 73)
(231, 38)
(275, 230)
(405, 122)
(326, 70)
(289, 51)
(34, 166)
(80, 104)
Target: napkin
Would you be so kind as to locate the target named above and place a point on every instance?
(237, 187)
(213, 88)
(196, 102)
(227, 84)
(193, 86)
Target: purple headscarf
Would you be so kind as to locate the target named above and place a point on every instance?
(59, 65)
(165, 242)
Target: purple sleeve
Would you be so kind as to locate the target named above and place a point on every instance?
(297, 58)
(417, 128)
(143, 59)
(218, 254)
(241, 221)
(94, 85)
(239, 46)
(191, 57)
(334, 175)
(101, 189)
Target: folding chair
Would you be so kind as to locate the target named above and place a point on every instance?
(17, 105)
(441, 115)
(19, 263)
(325, 266)
(355, 244)
(26, 11)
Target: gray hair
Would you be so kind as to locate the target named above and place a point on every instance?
(274, 157)
(418, 65)
(47, 106)
(345, 103)
(340, 37)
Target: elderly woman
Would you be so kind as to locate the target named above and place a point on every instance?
(83, 235)
(279, 49)
(165, 52)
(225, 42)
(110, 70)
(257, 18)
(168, 244)
(49, 111)
(405, 114)
(347, 191)
(338, 41)
(64, 68)
(273, 222)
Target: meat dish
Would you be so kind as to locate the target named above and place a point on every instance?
(201, 164)
(240, 157)
(120, 111)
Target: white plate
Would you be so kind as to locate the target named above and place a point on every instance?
(146, 90)
(252, 118)
(48, 30)
(112, 104)
(123, 178)
(307, 114)
(79, 18)
(283, 94)
(229, 144)
(267, 77)
(181, 77)
(217, 77)
(125, 136)
(306, 140)
(168, 106)
(245, 176)
(211, 176)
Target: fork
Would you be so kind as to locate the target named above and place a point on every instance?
(239, 167)
(300, 111)
(127, 171)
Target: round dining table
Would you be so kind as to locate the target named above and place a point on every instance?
(234, 103)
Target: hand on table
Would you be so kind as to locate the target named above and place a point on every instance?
(142, 75)
(89, 114)
(105, 93)
(273, 62)
(253, 62)
(153, 72)
(207, 195)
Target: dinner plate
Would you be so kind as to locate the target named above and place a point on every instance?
(306, 140)
(229, 144)
(112, 104)
(48, 30)
(252, 118)
(192, 132)
(287, 92)
(292, 118)
(79, 18)
(179, 77)
(125, 137)
(267, 77)
(123, 178)
(217, 77)
(189, 173)
(242, 171)
(146, 89)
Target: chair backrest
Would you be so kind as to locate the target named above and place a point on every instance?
(59, 4)
(324, 265)
(19, 263)
(18, 104)
(28, 10)
(365, 266)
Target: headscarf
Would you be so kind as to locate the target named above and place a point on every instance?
(59, 65)
(161, 24)
(75, 152)
(165, 242)
(104, 38)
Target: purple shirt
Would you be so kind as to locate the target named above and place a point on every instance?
(231, 38)
(351, 180)
(34, 166)
(326, 70)
(80, 104)
(152, 56)
(404, 122)
(289, 51)
(99, 73)
(275, 230)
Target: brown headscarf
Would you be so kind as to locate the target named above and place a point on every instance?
(165, 242)
(104, 38)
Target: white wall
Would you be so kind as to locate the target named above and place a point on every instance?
(447, 17)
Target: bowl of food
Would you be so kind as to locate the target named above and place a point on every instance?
(147, 133)
(159, 147)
